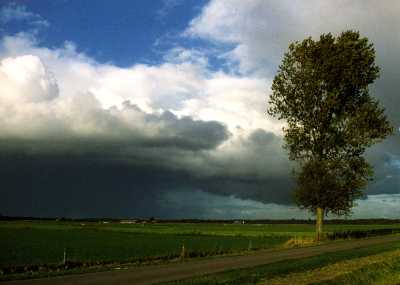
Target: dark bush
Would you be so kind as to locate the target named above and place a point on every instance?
(362, 233)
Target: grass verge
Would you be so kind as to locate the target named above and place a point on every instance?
(354, 271)
(258, 274)
(386, 272)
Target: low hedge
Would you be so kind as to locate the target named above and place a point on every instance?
(362, 233)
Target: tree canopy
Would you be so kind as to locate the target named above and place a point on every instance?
(321, 91)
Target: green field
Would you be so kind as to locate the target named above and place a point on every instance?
(219, 229)
(43, 246)
(43, 242)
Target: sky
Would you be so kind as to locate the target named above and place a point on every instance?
(158, 108)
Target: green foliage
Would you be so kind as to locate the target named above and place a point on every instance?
(321, 90)
(332, 184)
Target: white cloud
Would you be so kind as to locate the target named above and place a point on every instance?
(167, 6)
(262, 30)
(15, 12)
(25, 78)
(181, 55)
(182, 85)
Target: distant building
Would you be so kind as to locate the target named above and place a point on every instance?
(128, 222)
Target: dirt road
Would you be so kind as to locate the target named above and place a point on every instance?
(174, 271)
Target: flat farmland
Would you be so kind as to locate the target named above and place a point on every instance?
(25, 243)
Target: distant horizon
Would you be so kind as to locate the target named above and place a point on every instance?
(160, 219)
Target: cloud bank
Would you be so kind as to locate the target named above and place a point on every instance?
(159, 128)
(83, 138)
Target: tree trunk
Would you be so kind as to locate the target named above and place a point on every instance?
(319, 221)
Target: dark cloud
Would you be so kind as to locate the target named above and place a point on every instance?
(386, 171)
(187, 133)
(88, 186)
(79, 187)
(112, 179)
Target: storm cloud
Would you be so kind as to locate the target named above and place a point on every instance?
(60, 149)
(82, 138)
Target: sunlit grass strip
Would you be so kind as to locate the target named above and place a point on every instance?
(223, 229)
(255, 275)
(380, 273)
(338, 269)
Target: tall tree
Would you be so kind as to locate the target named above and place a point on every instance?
(321, 90)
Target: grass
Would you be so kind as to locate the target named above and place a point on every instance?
(39, 245)
(259, 274)
(196, 229)
(27, 246)
(381, 273)
(363, 270)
